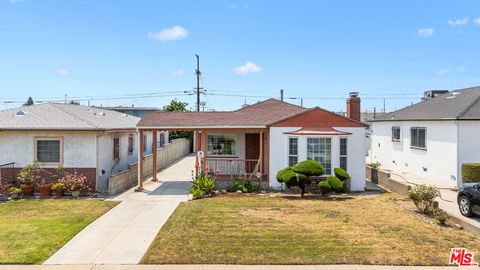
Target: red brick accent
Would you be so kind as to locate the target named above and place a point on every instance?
(353, 108)
(10, 175)
(318, 118)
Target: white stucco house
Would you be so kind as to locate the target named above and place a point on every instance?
(92, 141)
(262, 138)
(430, 139)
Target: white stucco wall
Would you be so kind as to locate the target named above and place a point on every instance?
(355, 151)
(437, 163)
(107, 165)
(78, 147)
(468, 144)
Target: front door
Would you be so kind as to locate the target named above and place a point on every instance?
(252, 151)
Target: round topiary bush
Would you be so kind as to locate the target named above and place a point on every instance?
(291, 179)
(470, 172)
(324, 187)
(341, 174)
(336, 184)
(309, 168)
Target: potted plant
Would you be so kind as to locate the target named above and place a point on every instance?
(15, 193)
(75, 183)
(29, 175)
(58, 187)
(3, 192)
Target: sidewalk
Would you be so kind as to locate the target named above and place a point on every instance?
(221, 267)
(447, 201)
(123, 235)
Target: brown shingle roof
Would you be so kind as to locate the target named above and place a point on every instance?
(257, 115)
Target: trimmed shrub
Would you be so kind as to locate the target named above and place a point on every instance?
(341, 174)
(244, 186)
(291, 179)
(336, 184)
(440, 216)
(470, 172)
(309, 168)
(324, 187)
(423, 197)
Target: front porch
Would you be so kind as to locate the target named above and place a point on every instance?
(228, 154)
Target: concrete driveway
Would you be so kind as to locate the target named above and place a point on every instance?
(123, 235)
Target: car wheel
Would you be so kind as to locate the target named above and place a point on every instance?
(465, 206)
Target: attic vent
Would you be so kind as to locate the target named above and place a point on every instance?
(20, 113)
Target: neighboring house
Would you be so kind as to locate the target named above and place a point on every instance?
(95, 142)
(262, 138)
(133, 111)
(430, 139)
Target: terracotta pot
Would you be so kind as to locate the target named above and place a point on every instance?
(59, 193)
(76, 193)
(27, 190)
(45, 190)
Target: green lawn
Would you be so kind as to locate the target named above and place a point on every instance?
(32, 230)
(284, 230)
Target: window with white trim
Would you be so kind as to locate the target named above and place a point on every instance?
(320, 149)
(48, 150)
(221, 145)
(418, 137)
(292, 151)
(396, 134)
(343, 153)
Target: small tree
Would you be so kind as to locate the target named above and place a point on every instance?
(178, 106)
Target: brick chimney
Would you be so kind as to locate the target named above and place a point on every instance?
(353, 106)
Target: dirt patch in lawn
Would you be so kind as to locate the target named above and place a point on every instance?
(287, 230)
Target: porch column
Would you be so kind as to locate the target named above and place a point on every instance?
(261, 153)
(197, 147)
(140, 160)
(267, 151)
(154, 155)
(204, 146)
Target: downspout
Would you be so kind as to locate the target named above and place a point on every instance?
(458, 165)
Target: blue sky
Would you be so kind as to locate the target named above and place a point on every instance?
(323, 49)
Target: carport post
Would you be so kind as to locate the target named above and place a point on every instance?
(140, 160)
(154, 155)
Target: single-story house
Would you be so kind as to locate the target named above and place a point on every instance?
(262, 138)
(430, 139)
(95, 142)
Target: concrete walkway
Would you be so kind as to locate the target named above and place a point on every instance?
(447, 201)
(123, 235)
(223, 267)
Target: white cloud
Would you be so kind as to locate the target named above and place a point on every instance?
(477, 21)
(249, 67)
(176, 73)
(458, 22)
(426, 32)
(61, 72)
(444, 71)
(169, 34)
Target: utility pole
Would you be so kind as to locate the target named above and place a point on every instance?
(383, 105)
(197, 71)
(301, 102)
(281, 94)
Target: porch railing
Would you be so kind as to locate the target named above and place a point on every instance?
(232, 167)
